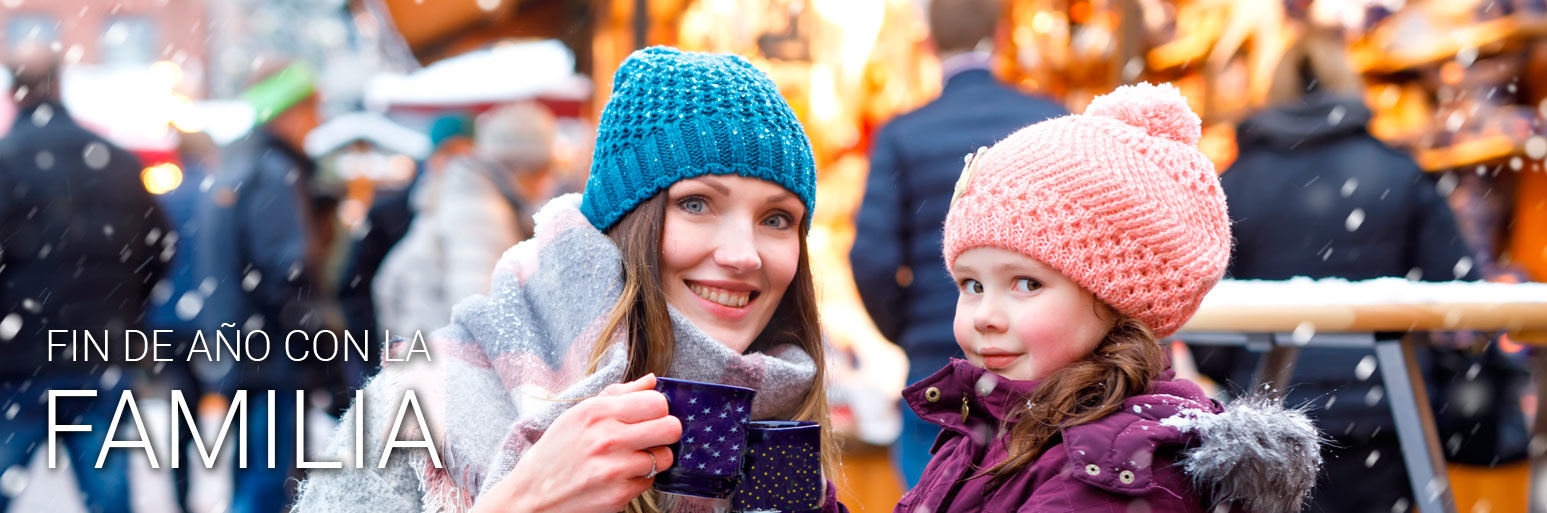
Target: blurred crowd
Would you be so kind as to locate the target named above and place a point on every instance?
(250, 239)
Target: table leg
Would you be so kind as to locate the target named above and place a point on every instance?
(1409, 402)
(1275, 369)
(1538, 445)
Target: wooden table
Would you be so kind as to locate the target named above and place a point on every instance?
(1281, 317)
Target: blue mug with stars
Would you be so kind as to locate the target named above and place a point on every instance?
(783, 469)
(714, 437)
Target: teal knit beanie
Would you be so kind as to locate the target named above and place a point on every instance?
(675, 115)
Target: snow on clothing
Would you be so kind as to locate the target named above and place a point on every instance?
(512, 361)
(462, 223)
(1171, 449)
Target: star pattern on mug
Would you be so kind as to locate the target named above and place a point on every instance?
(714, 439)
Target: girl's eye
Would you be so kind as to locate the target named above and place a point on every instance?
(778, 221)
(971, 286)
(1027, 285)
(693, 204)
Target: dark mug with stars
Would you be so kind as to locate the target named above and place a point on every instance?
(714, 437)
(783, 471)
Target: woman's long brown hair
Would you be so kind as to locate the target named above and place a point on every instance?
(642, 311)
(1121, 366)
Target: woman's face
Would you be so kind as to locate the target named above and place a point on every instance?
(728, 253)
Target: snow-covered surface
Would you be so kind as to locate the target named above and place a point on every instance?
(225, 120)
(370, 127)
(129, 106)
(499, 74)
(1303, 291)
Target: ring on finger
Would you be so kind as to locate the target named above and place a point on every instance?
(653, 471)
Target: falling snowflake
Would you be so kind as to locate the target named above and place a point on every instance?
(10, 326)
(111, 376)
(189, 305)
(45, 160)
(986, 384)
(1447, 184)
(1355, 219)
(42, 115)
(1369, 461)
(1303, 333)
(1374, 396)
(1365, 368)
(251, 280)
(1349, 187)
(14, 481)
(1463, 266)
(1536, 147)
(96, 155)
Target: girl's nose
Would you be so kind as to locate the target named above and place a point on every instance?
(988, 317)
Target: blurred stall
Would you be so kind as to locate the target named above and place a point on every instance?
(1461, 85)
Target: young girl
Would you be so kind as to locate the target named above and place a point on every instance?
(1077, 243)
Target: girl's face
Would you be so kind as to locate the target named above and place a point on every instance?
(729, 250)
(1020, 318)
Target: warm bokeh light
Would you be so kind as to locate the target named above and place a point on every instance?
(162, 178)
(167, 73)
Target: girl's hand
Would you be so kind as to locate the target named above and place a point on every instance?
(596, 457)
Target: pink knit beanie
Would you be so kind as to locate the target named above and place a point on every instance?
(1119, 199)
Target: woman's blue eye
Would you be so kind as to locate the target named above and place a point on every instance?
(971, 286)
(1027, 285)
(694, 205)
(778, 221)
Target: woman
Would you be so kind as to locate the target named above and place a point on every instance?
(685, 257)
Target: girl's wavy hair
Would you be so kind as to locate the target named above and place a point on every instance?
(1121, 366)
(641, 313)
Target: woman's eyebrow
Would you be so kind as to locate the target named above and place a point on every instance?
(714, 184)
(780, 197)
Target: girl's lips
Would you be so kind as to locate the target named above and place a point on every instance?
(999, 361)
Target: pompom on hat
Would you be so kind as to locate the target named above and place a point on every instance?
(1119, 199)
(676, 115)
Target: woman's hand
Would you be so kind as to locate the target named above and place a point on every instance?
(596, 457)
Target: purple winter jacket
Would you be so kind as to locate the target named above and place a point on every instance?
(1172, 449)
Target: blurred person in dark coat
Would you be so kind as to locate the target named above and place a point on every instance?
(914, 163)
(1313, 194)
(255, 240)
(81, 244)
(175, 301)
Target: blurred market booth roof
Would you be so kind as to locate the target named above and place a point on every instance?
(368, 127)
(506, 72)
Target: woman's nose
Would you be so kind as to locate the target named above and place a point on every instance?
(737, 250)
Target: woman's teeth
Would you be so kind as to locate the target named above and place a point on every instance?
(722, 296)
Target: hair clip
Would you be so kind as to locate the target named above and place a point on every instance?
(968, 162)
